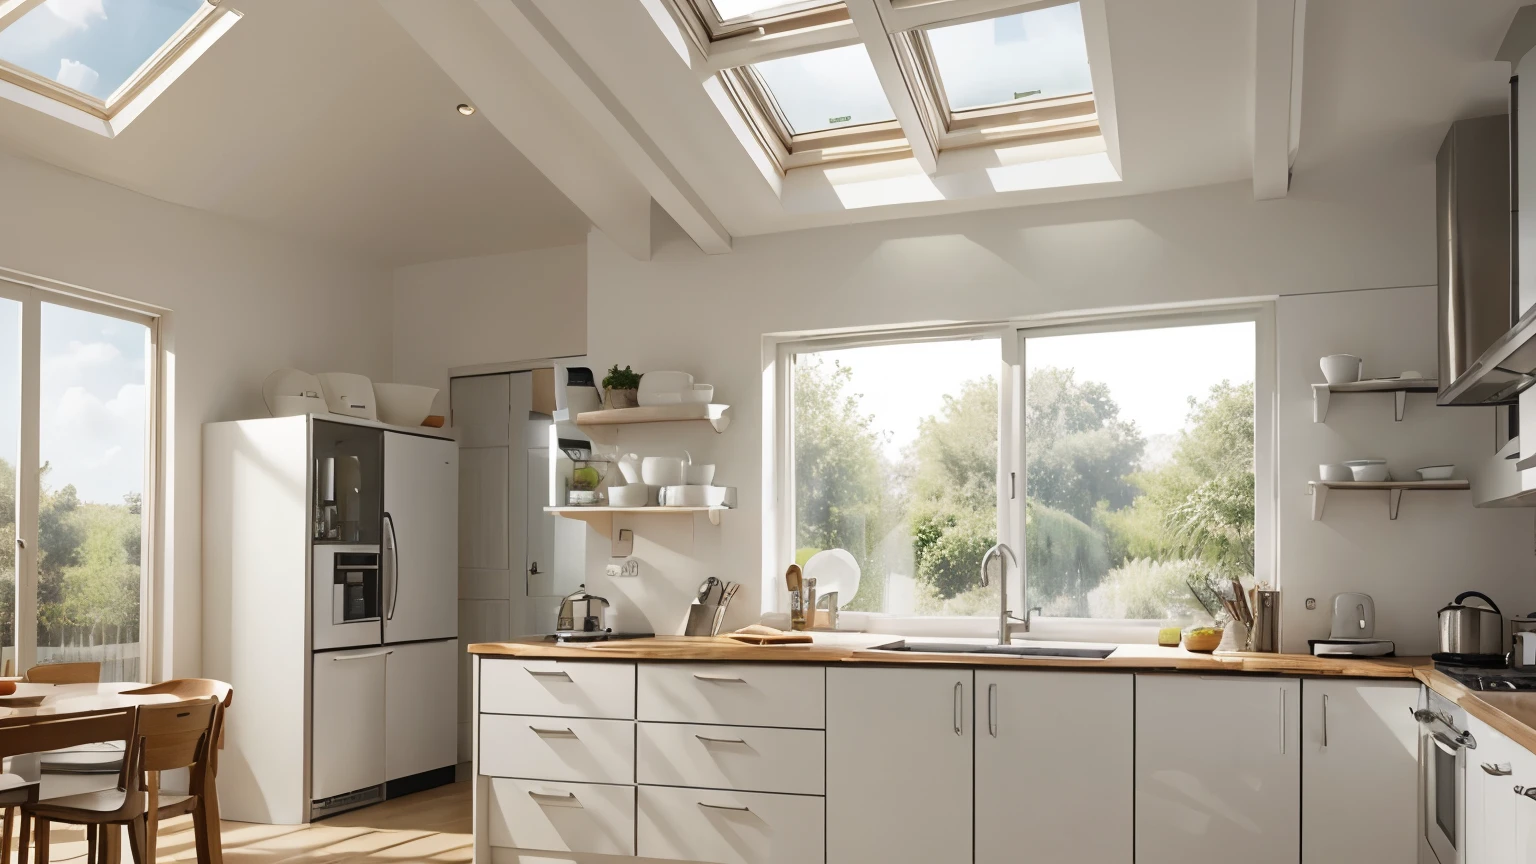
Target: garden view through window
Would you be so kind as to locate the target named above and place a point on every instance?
(1134, 483)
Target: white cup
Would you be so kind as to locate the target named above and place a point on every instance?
(1342, 368)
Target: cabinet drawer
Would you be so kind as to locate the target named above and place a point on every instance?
(733, 694)
(730, 827)
(562, 817)
(731, 757)
(557, 688)
(557, 748)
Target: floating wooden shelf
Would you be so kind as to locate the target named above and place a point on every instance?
(717, 416)
(1394, 489)
(1398, 387)
(594, 512)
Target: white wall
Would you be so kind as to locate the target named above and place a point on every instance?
(1439, 546)
(492, 309)
(243, 303)
(708, 314)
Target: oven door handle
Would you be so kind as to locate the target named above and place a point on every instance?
(1447, 737)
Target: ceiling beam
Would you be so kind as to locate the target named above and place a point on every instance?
(868, 19)
(908, 15)
(540, 41)
(12, 10)
(515, 97)
(1279, 26)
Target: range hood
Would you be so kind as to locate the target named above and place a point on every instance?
(1487, 357)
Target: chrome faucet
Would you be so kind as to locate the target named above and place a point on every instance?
(1007, 622)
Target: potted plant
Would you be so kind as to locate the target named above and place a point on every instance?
(620, 387)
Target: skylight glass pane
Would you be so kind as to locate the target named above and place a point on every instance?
(93, 46)
(827, 89)
(1016, 58)
(732, 9)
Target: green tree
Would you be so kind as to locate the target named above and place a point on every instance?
(1080, 452)
(954, 490)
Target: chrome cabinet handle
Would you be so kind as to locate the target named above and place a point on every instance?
(959, 709)
(1500, 770)
(394, 547)
(552, 733)
(569, 797)
(708, 740)
(362, 656)
(1282, 721)
(719, 679)
(707, 806)
(992, 709)
(1325, 721)
(549, 673)
(1527, 791)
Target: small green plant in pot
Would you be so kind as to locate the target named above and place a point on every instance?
(620, 387)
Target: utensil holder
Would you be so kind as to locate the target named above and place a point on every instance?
(1265, 637)
(701, 620)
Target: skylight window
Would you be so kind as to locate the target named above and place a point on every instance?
(826, 90)
(730, 10)
(103, 59)
(1026, 57)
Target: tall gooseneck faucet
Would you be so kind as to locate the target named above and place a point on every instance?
(1007, 622)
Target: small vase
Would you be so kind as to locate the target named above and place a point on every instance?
(622, 398)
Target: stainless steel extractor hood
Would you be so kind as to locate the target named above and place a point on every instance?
(1486, 356)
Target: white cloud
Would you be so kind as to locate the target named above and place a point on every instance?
(78, 14)
(96, 444)
(77, 76)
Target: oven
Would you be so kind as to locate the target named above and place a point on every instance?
(1443, 745)
(346, 597)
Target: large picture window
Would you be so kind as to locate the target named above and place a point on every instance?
(1123, 460)
(76, 425)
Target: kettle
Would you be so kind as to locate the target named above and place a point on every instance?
(580, 611)
(1472, 630)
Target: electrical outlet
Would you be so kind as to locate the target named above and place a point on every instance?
(631, 567)
(614, 571)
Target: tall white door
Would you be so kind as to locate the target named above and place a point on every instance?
(1218, 769)
(1052, 747)
(347, 738)
(421, 549)
(899, 780)
(420, 702)
(1360, 769)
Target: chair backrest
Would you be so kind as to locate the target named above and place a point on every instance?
(189, 688)
(65, 673)
(28, 734)
(173, 735)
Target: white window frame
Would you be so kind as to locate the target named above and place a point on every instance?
(779, 473)
(31, 292)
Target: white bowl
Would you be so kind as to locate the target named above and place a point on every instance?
(699, 394)
(630, 495)
(692, 496)
(1341, 368)
(1335, 473)
(403, 404)
(699, 475)
(1437, 472)
(1369, 470)
(662, 470)
(348, 394)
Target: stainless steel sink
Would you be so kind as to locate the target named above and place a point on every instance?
(1054, 650)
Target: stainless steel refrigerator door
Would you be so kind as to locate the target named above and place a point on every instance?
(421, 548)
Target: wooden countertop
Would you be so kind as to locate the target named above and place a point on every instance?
(1513, 714)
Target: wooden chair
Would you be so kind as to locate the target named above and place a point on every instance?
(203, 788)
(65, 673)
(164, 737)
(111, 725)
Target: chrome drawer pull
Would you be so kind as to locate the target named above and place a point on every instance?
(1501, 770)
(708, 740)
(723, 807)
(1527, 791)
(550, 673)
(719, 679)
(567, 798)
(552, 733)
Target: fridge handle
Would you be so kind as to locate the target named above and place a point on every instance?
(394, 555)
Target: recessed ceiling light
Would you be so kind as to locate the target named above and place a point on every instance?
(466, 109)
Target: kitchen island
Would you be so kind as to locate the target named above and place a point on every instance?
(705, 749)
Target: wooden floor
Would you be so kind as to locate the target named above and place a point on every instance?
(431, 826)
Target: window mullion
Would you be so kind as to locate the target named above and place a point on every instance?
(29, 487)
(866, 18)
(11, 11)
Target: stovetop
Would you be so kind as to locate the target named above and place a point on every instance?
(1505, 679)
(594, 636)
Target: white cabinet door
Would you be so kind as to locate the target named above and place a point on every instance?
(1051, 747)
(899, 756)
(1492, 813)
(1360, 768)
(347, 742)
(421, 538)
(1218, 767)
(420, 708)
(1524, 801)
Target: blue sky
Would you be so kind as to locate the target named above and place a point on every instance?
(93, 46)
(93, 399)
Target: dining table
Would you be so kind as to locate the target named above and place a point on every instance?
(35, 704)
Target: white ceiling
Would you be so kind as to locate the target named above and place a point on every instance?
(322, 120)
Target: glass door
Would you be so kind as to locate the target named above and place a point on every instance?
(75, 433)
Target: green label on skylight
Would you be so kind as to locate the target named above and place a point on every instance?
(843, 119)
(1025, 94)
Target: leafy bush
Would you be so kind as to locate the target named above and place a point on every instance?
(1064, 556)
(1143, 588)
